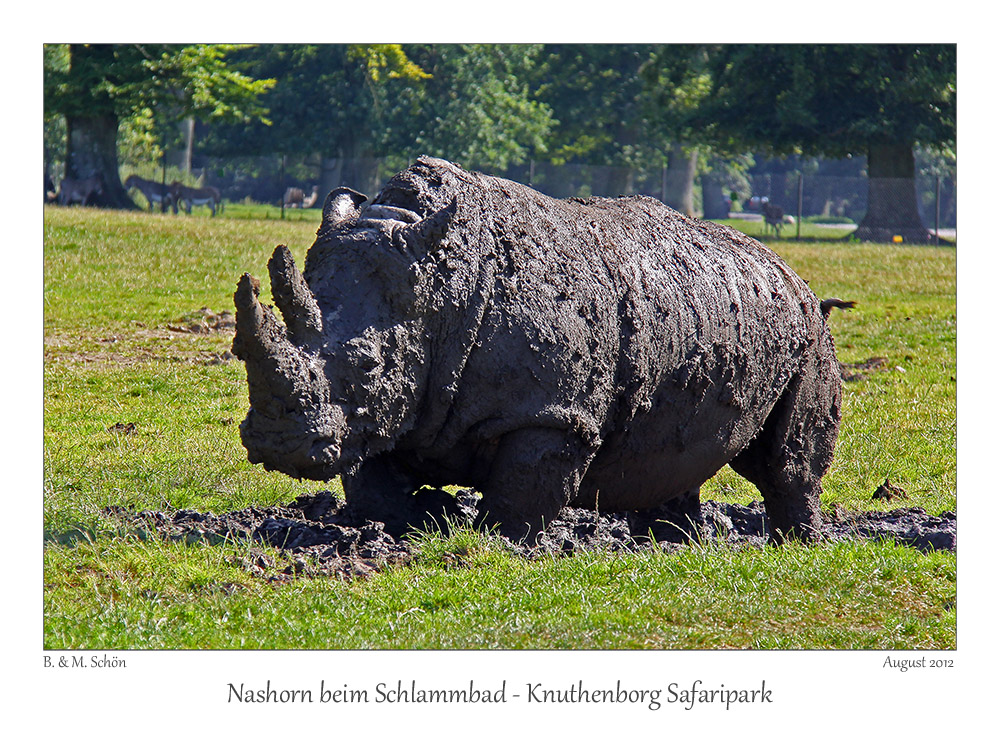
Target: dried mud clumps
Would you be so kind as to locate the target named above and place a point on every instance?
(317, 536)
(466, 330)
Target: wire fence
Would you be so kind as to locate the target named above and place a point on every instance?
(929, 200)
(839, 201)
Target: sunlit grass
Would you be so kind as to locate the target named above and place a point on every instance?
(118, 593)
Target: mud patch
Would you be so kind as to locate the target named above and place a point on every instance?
(889, 492)
(179, 341)
(860, 370)
(204, 321)
(317, 536)
(123, 428)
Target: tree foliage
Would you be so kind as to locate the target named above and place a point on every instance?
(93, 87)
(467, 102)
(598, 97)
(330, 99)
(830, 99)
(476, 105)
(123, 80)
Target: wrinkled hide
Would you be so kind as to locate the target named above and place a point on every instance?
(610, 353)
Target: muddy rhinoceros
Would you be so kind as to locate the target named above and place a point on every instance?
(463, 329)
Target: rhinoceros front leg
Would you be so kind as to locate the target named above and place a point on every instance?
(535, 473)
(383, 490)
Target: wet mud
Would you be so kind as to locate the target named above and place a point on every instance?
(315, 535)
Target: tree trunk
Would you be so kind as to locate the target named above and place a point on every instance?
(714, 203)
(358, 173)
(330, 175)
(892, 197)
(619, 181)
(182, 155)
(92, 150)
(681, 166)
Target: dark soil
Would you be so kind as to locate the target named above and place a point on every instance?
(316, 536)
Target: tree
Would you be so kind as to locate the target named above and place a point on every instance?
(676, 81)
(94, 87)
(357, 105)
(627, 107)
(330, 100)
(599, 99)
(476, 106)
(876, 100)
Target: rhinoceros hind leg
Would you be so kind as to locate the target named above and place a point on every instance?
(535, 473)
(787, 460)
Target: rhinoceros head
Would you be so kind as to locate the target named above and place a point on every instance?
(339, 379)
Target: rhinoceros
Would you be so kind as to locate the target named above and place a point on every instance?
(608, 353)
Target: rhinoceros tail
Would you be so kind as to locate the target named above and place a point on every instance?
(827, 305)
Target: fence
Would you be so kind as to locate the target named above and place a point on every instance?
(848, 200)
(265, 179)
(842, 200)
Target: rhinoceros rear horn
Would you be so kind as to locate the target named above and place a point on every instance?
(425, 236)
(294, 298)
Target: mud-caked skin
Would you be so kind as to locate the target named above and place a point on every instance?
(603, 353)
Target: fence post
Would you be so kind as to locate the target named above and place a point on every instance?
(937, 211)
(163, 181)
(798, 212)
(281, 186)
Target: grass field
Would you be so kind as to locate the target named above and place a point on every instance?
(129, 300)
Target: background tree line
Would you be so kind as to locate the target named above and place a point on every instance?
(695, 113)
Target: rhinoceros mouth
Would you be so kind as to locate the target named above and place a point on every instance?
(318, 460)
(322, 460)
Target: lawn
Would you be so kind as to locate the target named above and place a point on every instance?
(141, 409)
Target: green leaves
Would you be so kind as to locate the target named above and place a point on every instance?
(832, 99)
(211, 89)
(385, 60)
(476, 107)
(165, 81)
(599, 99)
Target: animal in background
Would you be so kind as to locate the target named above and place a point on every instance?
(189, 196)
(79, 190)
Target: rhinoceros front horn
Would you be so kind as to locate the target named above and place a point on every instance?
(258, 332)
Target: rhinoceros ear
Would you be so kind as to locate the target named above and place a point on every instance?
(341, 204)
(425, 236)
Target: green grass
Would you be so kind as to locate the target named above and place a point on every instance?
(118, 287)
(807, 230)
(810, 229)
(122, 592)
